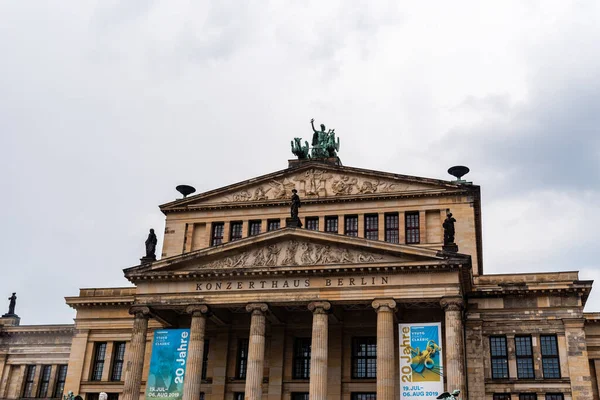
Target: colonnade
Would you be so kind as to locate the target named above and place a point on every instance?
(386, 362)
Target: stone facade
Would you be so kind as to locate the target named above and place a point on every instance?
(278, 313)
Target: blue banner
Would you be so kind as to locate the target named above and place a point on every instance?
(167, 364)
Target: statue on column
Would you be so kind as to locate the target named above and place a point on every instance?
(12, 304)
(150, 247)
(294, 220)
(449, 229)
(449, 396)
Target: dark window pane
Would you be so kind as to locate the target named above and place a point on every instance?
(255, 227)
(528, 396)
(501, 396)
(372, 227)
(524, 353)
(351, 225)
(45, 381)
(238, 396)
(272, 224)
(331, 224)
(29, 376)
(300, 396)
(499, 357)
(364, 357)
(554, 396)
(112, 396)
(98, 365)
(364, 396)
(242, 361)
(217, 233)
(301, 361)
(205, 358)
(118, 360)
(391, 228)
(61, 377)
(235, 231)
(550, 361)
(312, 223)
(412, 227)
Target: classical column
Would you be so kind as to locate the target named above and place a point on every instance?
(454, 369)
(256, 351)
(318, 351)
(386, 377)
(136, 350)
(193, 369)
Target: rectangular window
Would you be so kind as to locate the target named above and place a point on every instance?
(118, 359)
(29, 376)
(312, 223)
(391, 228)
(300, 396)
(61, 377)
(528, 396)
(550, 363)
(45, 381)
(364, 396)
(202, 396)
(217, 233)
(235, 231)
(331, 224)
(524, 355)
(112, 396)
(301, 366)
(238, 396)
(364, 357)
(501, 396)
(372, 227)
(254, 228)
(351, 225)
(98, 365)
(242, 359)
(273, 224)
(205, 359)
(499, 357)
(412, 228)
(555, 396)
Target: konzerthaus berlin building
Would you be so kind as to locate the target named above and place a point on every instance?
(322, 311)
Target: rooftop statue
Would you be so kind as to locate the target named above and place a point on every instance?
(448, 226)
(12, 304)
(324, 144)
(151, 245)
(300, 151)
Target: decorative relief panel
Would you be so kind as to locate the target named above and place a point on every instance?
(316, 183)
(296, 252)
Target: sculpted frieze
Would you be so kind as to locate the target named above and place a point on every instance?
(294, 253)
(315, 183)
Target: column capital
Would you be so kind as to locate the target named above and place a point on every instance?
(196, 310)
(140, 311)
(383, 304)
(257, 308)
(452, 303)
(319, 307)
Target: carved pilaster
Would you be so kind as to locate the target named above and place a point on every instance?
(193, 371)
(256, 351)
(454, 349)
(137, 348)
(319, 346)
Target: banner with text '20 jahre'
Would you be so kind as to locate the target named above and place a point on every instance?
(167, 364)
(421, 361)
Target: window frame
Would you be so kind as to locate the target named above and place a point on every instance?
(216, 238)
(118, 362)
(98, 361)
(254, 223)
(555, 396)
(299, 396)
(329, 220)
(271, 223)
(61, 378)
(29, 381)
(301, 362)
(389, 229)
(499, 357)
(236, 229)
(370, 360)
(241, 364)
(363, 395)
(527, 396)
(371, 232)
(44, 381)
(205, 359)
(412, 227)
(311, 221)
(524, 371)
(550, 357)
(501, 396)
(354, 231)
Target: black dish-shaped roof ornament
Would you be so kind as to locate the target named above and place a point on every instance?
(185, 190)
(458, 171)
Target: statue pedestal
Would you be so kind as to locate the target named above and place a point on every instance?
(147, 260)
(10, 320)
(293, 223)
(450, 247)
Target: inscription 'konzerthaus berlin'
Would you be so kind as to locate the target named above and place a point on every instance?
(361, 294)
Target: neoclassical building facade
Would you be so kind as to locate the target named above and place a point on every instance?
(280, 312)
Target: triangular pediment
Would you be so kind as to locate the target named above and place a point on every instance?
(288, 249)
(314, 181)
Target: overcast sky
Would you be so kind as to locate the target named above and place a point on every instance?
(106, 106)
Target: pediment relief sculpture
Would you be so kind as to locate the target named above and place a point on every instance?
(297, 253)
(317, 183)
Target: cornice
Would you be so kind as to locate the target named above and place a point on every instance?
(81, 302)
(38, 329)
